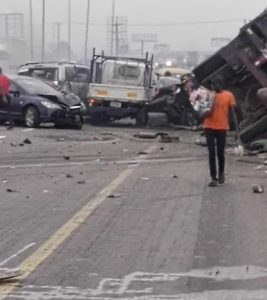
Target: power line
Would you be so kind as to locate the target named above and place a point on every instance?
(173, 24)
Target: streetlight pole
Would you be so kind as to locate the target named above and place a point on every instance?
(69, 33)
(31, 30)
(86, 31)
(43, 32)
(112, 26)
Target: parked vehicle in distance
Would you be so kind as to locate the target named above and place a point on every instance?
(119, 88)
(65, 76)
(34, 102)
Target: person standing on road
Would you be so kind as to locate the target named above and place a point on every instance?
(4, 96)
(216, 126)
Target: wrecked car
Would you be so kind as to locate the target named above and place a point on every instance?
(172, 99)
(65, 76)
(34, 102)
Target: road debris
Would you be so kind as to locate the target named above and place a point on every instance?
(114, 196)
(66, 157)
(69, 176)
(257, 189)
(142, 153)
(145, 178)
(81, 182)
(6, 273)
(11, 191)
(27, 141)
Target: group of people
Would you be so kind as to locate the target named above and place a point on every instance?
(5, 100)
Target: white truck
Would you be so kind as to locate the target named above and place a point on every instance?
(119, 88)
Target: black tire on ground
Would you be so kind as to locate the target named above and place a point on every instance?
(141, 118)
(254, 130)
(31, 117)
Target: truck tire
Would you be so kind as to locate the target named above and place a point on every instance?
(254, 130)
(141, 118)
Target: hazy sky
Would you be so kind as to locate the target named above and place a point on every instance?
(149, 12)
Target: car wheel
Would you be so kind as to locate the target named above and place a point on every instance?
(141, 118)
(32, 117)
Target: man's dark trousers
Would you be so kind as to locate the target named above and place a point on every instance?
(216, 141)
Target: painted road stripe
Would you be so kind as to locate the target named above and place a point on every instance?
(56, 240)
(17, 254)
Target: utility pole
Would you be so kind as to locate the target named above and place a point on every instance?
(69, 33)
(112, 26)
(58, 38)
(86, 31)
(43, 32)
(117, 36)
(31, 30)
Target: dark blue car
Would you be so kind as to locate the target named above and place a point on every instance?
(34, 101)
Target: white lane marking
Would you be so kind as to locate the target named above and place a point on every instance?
(70, 293)
(17, 254)
(140, 286)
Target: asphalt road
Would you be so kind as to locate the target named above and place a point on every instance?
(99, 214)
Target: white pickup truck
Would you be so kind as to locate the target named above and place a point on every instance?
(119, 88)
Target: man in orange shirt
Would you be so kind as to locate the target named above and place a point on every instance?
(216, 126)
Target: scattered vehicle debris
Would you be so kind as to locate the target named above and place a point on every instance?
(11, 191)
(242, 66)
(159, 136)
(66, 157)
(114, 196)
(27, 141)
(81, 182)
(258, 189)
(6, 273)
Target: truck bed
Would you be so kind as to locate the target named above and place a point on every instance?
(118, 93)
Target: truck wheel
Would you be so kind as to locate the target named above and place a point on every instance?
(141, 118)
(253, 131)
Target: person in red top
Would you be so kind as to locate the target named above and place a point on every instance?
(4, 96)
(216, 126)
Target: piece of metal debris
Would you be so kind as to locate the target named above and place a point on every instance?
(9, 273)
(114, 196)
(27, 141)
(11, 191)
(257, 189)
(81, 182)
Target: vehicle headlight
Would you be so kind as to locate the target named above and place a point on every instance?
(50, 105)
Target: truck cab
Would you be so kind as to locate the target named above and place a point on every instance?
(119, 88)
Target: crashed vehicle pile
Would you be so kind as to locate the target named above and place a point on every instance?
(242, 65)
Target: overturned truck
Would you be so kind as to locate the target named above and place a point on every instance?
(242, 65)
